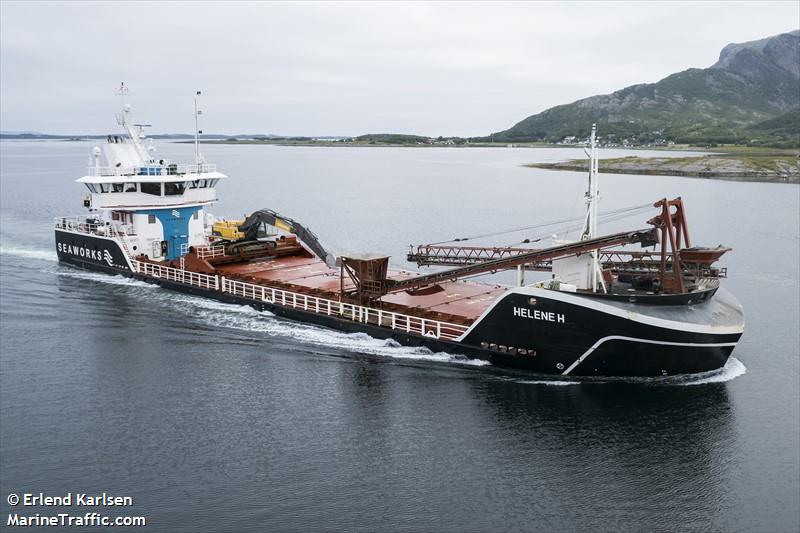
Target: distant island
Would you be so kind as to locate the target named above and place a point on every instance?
(370, 139)
(36, 136)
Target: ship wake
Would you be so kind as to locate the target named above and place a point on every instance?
(245, 318)
(29, 253)
(733, 369)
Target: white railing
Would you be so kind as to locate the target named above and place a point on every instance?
(321, 306)
(80, 225)
(151, 170)
(101, 229)
(188, 277)
(356, 313)
(206, 252)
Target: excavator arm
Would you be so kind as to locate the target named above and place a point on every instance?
(253, 223)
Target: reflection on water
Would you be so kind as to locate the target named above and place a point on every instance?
(655, 454)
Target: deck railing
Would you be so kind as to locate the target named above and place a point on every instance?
(313, 304)
(83, 225)
(206, 252)
(204, 281)
(151, 170)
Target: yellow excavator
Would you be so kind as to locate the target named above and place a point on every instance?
(227, 229)
(243, 235)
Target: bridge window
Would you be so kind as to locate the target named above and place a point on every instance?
(150, 188)
(92, 188)
(104, 187)
(174, 188)
(202, 184)
(117, 187)
(151, 219)
(130, 187)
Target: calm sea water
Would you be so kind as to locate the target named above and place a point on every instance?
(216, 418)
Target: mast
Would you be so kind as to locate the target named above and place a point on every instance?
(592, 199)
(197, 157)
(124, 120)
(592, 193)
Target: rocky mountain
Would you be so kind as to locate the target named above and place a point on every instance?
(751, 84)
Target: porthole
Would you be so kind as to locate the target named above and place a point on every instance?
(532, 301)
(560, 366)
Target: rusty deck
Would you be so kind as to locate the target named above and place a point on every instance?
(460, 301)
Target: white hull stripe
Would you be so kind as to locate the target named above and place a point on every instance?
(588, 352)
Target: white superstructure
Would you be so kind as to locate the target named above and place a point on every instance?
(156, 206)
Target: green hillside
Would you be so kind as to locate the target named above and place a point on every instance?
(733, 101)
(788, 124)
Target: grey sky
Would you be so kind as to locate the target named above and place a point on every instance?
(347, 68)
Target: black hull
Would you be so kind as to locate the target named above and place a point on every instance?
(91, 252)
(581, 339)
(578, 336)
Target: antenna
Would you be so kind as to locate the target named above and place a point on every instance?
(122, 92)
(197, 112)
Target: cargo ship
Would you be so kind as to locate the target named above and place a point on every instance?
(643, 302)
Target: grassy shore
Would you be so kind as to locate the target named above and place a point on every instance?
(729, 163)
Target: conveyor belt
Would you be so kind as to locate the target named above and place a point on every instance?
(646, 236)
